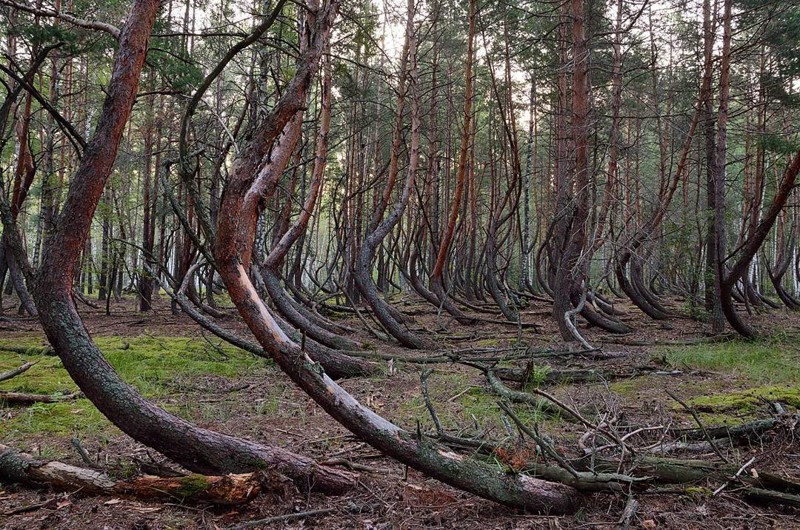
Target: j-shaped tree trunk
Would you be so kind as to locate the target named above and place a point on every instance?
(380, 227)
(24, 173)
(782, 262)
(197, 449)
(237, 222)
(573, 195)
(628, 256)
(752, 244)
(278, 253)
(292, 313)
(437, 281)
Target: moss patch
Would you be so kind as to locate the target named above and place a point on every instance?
(192, 485)
(60, 419)
(156, 366)
(627, 387)
(747, 400)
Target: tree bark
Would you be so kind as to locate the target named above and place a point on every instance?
(415, 450)
(196, 449)
(437, 282)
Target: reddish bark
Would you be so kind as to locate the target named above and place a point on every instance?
(437, 282)
(197, 449)
(415, 450)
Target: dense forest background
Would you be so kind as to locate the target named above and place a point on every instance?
(529, 166)
(629, 149)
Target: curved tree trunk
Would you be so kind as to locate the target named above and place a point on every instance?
(597, 319)
(777, 273)
(280, 297)
(17, 277)
(295, 313)
(235, 221)
(639, 284)
(437, 282)
(667, 190)
(751, 245)
(363, 267)
(416, 283)
(197, 449)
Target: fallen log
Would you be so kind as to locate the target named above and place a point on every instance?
(517, 460)
(772, 497)
(580, 375)
(677, 471)
(22, 398)
(5, 376)
(693, 440)
(690, 447)
(223, 490)
(745, 431)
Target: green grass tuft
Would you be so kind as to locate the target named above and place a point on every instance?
(771, 360)
(769, 366)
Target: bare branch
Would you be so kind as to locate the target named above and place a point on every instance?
(66, 17)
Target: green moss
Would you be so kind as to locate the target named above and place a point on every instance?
(61, 419)
(627, 387)
(191, 485)
(746, 400)
(156, 366)
(487, 343)
(698, 492)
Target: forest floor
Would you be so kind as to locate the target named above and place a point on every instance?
(189, 373)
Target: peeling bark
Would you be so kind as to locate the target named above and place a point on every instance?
(220, 490)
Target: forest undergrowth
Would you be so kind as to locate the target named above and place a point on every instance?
(658, 381)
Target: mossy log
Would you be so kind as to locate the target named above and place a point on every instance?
(223, 490)
(745, 431)
(678, 471)
(772, 497)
